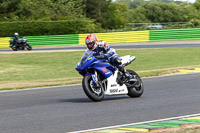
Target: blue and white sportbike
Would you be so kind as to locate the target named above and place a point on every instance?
(102, 78)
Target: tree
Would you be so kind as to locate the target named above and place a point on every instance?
(197, 4)
(7, 7)
(95, 9)
(128, 2)
(162, 12)
(45, 9)
(116, 16)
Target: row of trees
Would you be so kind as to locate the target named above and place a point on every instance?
(23, 10)
(110, 14)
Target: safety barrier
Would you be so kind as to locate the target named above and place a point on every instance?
(113, 37)
(119, 37)
(4, 42)
(70, 39)
(174, 34)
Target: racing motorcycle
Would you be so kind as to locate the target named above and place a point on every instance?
(21, 45)
(102, 78)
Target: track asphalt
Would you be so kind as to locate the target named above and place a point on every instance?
(66, 108)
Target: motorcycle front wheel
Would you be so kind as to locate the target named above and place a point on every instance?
(136, 88)
(95, 94)
(14, 48)
(28, 47)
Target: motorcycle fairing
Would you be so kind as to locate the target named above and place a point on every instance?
(11, 41)
(127, 59)
(113, 88)
(83, 66)
(104, 68)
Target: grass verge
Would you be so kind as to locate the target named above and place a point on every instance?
(188, 130)
(30, 70)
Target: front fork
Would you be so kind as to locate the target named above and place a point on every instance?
(94, 78)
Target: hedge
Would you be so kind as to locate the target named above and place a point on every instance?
(37, 28)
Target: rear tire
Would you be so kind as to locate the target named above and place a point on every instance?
(94, 94)
(136, 89)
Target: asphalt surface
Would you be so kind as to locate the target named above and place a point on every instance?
(124, 46)
(64, 109)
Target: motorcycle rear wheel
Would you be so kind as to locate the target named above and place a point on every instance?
(136, 89)
(93, 93)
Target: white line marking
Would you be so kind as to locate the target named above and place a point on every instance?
(103, 128)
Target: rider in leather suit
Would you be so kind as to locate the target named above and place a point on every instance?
(104, 51)
(15, 39)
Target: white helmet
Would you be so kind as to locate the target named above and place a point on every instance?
(16, 34)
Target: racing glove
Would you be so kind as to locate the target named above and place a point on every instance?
(101, 56)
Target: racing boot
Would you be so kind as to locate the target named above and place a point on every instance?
(121, 68)
(125, 73)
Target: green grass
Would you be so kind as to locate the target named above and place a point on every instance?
(27, 70)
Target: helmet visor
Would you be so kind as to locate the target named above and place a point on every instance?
(90, 45)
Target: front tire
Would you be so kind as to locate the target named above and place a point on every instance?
(137, 88)
(28, 47)
(14, 48)
(93, 93)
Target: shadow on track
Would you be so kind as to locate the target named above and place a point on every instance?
(87, 100)
(76, 100)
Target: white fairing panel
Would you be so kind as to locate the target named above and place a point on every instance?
(127, 59)
(113, 88)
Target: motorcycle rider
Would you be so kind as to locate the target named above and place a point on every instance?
(15, 39)
(104, 51)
